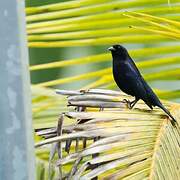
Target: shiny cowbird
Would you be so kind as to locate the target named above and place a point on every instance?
(130, 81)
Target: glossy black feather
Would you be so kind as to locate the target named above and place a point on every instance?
(129, 79)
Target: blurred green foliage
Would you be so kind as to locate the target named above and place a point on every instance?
(41, 55)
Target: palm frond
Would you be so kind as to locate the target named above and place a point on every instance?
(119, 143)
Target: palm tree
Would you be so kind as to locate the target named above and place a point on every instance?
(115, 143)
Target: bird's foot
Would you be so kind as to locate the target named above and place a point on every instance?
(128, 103)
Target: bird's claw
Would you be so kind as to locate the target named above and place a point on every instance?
(128, 103)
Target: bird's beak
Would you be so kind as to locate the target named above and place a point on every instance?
(111, 48)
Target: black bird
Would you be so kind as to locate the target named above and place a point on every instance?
(129, 80)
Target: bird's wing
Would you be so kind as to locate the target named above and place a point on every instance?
(152, 98)
(133, 66)
(136, 83)
(139, 86)
(138, 89)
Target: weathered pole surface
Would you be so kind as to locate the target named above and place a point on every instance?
(16, 141)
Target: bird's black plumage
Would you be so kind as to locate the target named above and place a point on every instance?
(130, 81)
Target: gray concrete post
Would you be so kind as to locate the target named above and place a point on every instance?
(16, 142)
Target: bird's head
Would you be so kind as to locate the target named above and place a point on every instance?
(118, 50)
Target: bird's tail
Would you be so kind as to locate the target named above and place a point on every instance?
(168, 113)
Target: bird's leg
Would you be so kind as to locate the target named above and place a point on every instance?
(130, 104)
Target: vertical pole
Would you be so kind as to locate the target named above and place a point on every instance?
(16, 142)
